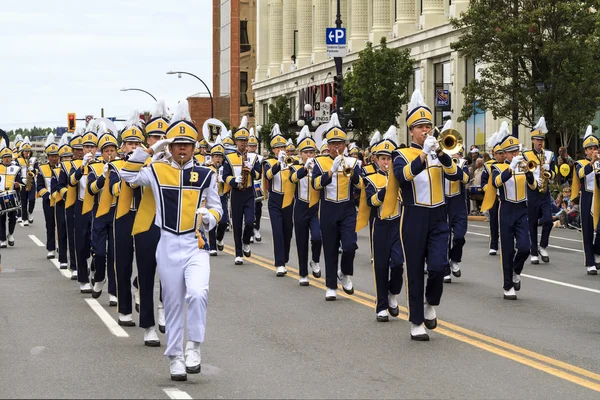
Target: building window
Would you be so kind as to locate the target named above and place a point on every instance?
(265, 113)
(442, 99)
(243, 89)
(244, 41)
(475, 125)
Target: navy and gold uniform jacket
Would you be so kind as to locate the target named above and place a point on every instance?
(8, 174)
(232, 168)
(304, 192)
(457, 187)
(127, 196)
(67, 192)
(375, 190)
(97, 186)
(44, 182)
(512, 185)
(421, 184)
(338, 188)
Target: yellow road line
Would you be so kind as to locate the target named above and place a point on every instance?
(476, 339)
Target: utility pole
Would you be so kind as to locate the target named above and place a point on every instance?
(338, 61)
(102, 113)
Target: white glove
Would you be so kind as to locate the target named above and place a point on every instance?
(515, 162)
(336, 163)
(105, 169)
(205, 215)
(160, 145)
(87, 158)
(238, 179)
(29, 168)
(167, 154)
(24, 180)
(249, 164)
(539, 182)
(310, 163)
(547, 167)
(430, 145)
(281, 156)
(158, 156)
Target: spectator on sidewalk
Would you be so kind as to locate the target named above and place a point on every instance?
(474, 187)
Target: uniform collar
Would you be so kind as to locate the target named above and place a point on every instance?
(416, 146)
(187, 165)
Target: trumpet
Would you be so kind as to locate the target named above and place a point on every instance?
(596, 167)
(289, 160)
(455, 160)
(527, 166)
(347, 170)
(450, 141)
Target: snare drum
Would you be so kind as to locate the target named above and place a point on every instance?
(9, 201)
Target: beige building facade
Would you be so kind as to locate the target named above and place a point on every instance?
(291, 55)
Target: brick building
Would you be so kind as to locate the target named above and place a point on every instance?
(200, 108)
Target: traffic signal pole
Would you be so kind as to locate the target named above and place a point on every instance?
(339, 101)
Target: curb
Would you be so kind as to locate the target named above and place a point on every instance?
(476, 218)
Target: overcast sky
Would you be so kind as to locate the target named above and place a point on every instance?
(64, 56)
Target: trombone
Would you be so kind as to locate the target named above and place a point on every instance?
(450, 141)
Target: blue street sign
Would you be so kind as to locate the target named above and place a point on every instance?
(442, 98)
(335, 36)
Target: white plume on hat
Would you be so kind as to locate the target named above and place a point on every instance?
(252, 132)
(182, 113)
(541, 125)
(160, 109)
(244, 123)
(352, 146)
(588, 132)
(391, 134)
(503, 132)
(18, 137)
(275, 130)
(26, 140)
(64, 140)
(290, 141)
(376, 138)
(334, 122)
(78, 132)
(304, 133)
(324, 142)
(102, 130)
(2, 144)
(49, 139)
(416, 100)
(134, 120)
(447, 125)
(492, 140)
(217, 141)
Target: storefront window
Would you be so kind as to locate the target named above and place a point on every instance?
(443, 101)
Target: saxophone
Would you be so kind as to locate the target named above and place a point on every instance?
(30, 174)
(245, 172)
(545, 175)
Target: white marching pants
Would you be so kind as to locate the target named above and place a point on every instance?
(184, 271)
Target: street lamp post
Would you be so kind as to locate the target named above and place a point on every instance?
(139, 90)
(207, 89)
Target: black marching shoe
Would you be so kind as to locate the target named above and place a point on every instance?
(246, 250)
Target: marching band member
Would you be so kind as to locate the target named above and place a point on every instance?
(386, 247)
(8, 174)
(182, 252)
(146, 235)
(371, 167)
(512, 180)
(216, 235)
(306, 209)
(490, 201)
(336, 177)
(419, 172)
(44, 190)
(456, 207)
(290, 149)
(83, 208)
(27, 176)
(127, 203)
(239, 172)
(324, 150)
(538, 200)
(65, 153)
(584, 186)
(103, 214)
(69, 195)
(258, 190)
(281, 198)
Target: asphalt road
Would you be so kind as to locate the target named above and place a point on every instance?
(267, 337)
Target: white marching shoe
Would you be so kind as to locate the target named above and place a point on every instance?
(596, 256)
(592, 270)
(493, 252)
(162, 321)
(3, 244)
(112, 300)
(418, 333)
(430, 316)
(510, 294)
(535, 260)
(382, 316)
(330, 294)
(97, 290)
(281, 271)
(11, 239)
(257, 236)
(303, 281)
(448, 279)
(178, 369)
(74, 275)
(246, 250)
(544, 255)
(126, 320)
(19, 220)
(50, 255)
(151, 337)
(25, 223)
(316, 269)
(192, 357)
(239, 260)
(136, 299)
(516, 281)
(220, 245)
(346, 282)
(455, 268)
(85, 288)
(213, 253)
(393, 308)
(63, 266)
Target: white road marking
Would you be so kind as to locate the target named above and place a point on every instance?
(550, 245)
(65, 272)
(175, 393)
(110, 323)
(36, 241)
(587, 289)
(551, 237)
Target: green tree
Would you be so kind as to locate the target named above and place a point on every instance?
(279, 113)
(377, 87)
(537, 57)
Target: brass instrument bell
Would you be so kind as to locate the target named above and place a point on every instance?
(450, 141)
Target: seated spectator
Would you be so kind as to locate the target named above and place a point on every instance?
(573, 217)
